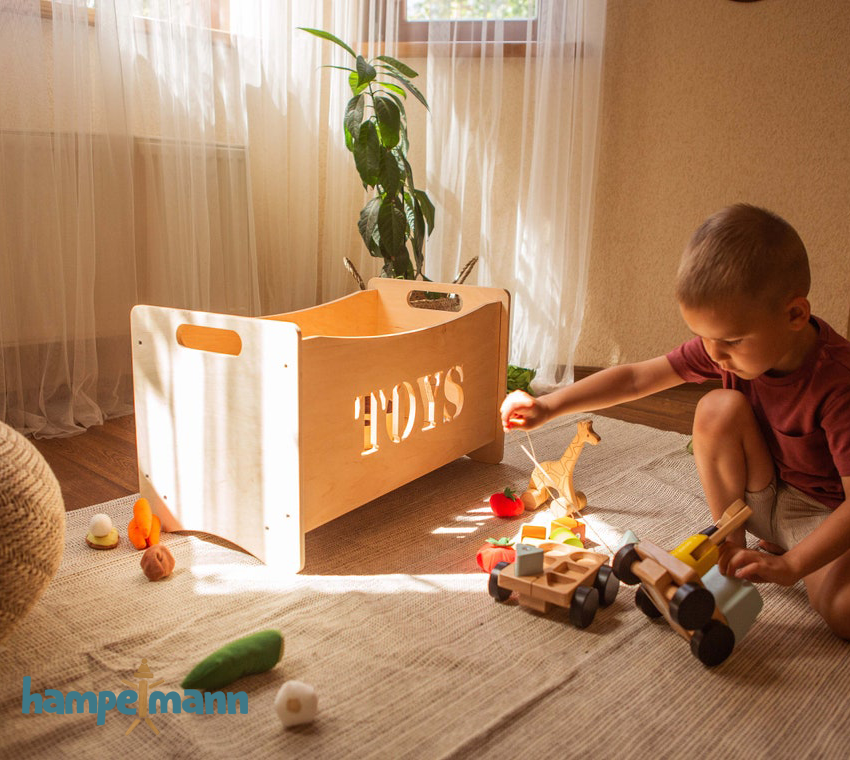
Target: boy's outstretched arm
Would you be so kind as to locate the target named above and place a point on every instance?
(826, 543)
(608, 387)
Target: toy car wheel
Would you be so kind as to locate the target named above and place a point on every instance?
(645, 604)
(496, 591)
(691, 606)
(709, 530)
(713, 643)
(607, 584)
(622, 564)
(583, 606)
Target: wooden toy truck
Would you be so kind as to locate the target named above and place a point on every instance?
(560, 575)
(260, 429)
(684, 586)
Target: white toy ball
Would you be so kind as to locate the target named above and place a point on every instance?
(100, 525)
(296, 702)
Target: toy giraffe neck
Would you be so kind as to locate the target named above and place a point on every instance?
(584, 435)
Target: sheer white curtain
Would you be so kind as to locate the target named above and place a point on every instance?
(147, 159)
(511, 155)
(152, 160)
(124, 180)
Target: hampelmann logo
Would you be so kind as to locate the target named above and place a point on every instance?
(138, 700)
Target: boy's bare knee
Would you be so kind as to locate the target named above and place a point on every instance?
(829, 595)
(719, 409)
(837, 617)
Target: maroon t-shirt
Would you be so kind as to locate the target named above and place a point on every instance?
(804, 416)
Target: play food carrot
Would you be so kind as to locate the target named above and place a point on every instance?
(144, 529)
(156, 527)
(142, 515)
(137, 538)
(256, 653)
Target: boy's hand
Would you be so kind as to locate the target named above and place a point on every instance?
(755, 566)
(519, 410)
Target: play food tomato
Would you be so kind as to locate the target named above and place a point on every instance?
(506, 504)
(493, 552)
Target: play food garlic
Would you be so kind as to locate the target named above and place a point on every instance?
(102, 534)
(296, 702)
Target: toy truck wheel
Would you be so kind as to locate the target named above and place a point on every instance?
(691, 606)
(622, 564)
(583, 606)
(496, 591)
(713, 643)
(645, 604)
(607, 584)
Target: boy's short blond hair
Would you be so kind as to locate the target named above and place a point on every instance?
(743, 252)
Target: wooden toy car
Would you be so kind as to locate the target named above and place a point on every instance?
(558, 574)
(685, 586)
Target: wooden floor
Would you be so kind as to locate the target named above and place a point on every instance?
(100, 464)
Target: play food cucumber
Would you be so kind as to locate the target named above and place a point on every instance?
(256, 653)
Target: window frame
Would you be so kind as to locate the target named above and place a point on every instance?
(469, 38)
(219, 15)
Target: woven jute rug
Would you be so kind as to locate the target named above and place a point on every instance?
(391, 623)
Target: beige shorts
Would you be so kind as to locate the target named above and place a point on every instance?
(783, 515)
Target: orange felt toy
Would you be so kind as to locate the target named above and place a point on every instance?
(143, 530)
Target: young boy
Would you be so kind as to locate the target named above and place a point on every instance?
(777, 435)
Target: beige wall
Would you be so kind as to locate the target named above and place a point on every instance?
(706, 103)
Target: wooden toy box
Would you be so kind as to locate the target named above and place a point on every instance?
(260, 429)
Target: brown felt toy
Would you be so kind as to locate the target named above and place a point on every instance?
(157, 562)
(143, 530)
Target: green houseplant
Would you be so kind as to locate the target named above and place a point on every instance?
(395, 222)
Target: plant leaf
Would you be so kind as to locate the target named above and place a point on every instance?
(365, 70)
(391, 227)
(418, 234)
(354, 83)
(367, 221)
(396, 64)
(390, 176)
(409, 85)
(333, 66)
(427, 208)
(409, 211)
(389, 120)
(401, 149)
(328, 36)
(367, 154)
(394, 88)
(353, 117)
(416, 225)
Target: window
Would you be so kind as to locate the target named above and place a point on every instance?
(154, 9)
(469, 10)
(471, 20)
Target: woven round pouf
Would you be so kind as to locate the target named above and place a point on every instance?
(32, 527)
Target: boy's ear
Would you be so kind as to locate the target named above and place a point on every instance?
(799, 310)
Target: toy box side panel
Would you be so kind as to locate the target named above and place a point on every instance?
(354, 314)
(398, 313)
(218, 427)
(380, 412)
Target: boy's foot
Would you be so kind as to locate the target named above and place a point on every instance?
(770, 548)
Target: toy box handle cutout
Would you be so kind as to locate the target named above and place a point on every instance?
(213, 339)
(435, 300)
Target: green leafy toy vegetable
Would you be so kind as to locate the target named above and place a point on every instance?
(519, 378)
(256, 653)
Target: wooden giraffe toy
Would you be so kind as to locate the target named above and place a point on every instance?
(559, 473)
